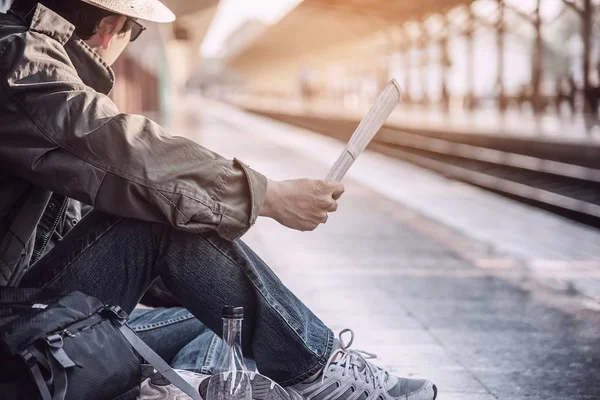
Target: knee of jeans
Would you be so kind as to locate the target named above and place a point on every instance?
(216, 347)
(202, 354)
(199, 355)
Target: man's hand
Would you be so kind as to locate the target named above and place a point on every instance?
(301, 204)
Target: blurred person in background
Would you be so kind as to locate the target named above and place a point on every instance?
(592, 94)
(566, 91)
(102, 202)
(306, 81)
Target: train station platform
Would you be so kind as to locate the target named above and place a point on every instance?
(549, 162)
(488, 297)
(549, 127)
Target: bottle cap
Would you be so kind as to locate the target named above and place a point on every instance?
(233, 312)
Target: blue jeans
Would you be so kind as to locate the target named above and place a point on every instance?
(179, 337)
(117, 259)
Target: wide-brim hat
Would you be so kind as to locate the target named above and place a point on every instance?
(149, 10)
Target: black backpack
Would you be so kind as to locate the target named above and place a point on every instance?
(71, 347)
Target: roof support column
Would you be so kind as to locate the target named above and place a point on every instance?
(587, 14)
(407, 73)
(406, 49)
(469, 36)
(500, 40)
(425, 62)
(537, 62)
(445, 63)
(587, 21)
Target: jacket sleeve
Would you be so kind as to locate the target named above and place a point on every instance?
(63, 136)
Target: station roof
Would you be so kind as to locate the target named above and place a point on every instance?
(187, 7)
(193, 18)
(316, 25)
(393, 11)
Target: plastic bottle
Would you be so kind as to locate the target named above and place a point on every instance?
(230, 379)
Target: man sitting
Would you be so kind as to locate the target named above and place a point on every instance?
(159, 206)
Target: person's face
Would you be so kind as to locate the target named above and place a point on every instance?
(112, 37)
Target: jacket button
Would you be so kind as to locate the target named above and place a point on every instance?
(74, 222)
(51, 206)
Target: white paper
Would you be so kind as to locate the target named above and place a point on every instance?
(385, 103)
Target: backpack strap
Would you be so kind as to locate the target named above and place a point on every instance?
(58, 374)
(157, 362)
(60, 380)
(32, 364)
(119, 317)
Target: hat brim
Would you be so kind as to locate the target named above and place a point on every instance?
(148, 10)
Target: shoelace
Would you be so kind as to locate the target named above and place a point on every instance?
(350, 358)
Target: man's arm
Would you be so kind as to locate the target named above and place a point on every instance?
(62, 136)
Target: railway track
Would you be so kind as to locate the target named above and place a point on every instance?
(564, 181)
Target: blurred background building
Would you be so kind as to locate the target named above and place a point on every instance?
(448, 54)
(533, 55)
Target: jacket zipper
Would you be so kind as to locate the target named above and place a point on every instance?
(48, 235)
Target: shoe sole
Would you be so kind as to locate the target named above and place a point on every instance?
(296, 396)
(263, 388)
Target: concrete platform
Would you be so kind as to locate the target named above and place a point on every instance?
(489, 298)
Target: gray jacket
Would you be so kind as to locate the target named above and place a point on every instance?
(62, 138)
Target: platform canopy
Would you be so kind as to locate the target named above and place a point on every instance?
(182, 39)
(317, 25)
(186, 7)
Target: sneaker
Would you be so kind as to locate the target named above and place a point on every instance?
(348, 375)
(263, 388)
(155, 387)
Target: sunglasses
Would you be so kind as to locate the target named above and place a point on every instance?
(136, 30)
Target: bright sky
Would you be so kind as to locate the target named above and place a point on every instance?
(232, 13)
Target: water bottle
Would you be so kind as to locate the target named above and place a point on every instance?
(230, 379)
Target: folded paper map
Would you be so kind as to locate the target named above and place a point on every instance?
(387, 100)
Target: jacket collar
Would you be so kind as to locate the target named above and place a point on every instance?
(51, 24)
(92, 70)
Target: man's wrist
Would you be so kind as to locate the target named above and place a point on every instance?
(269, 206)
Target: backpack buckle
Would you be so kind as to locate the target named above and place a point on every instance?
(55, 341)
(29, 358)
(115, 313)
